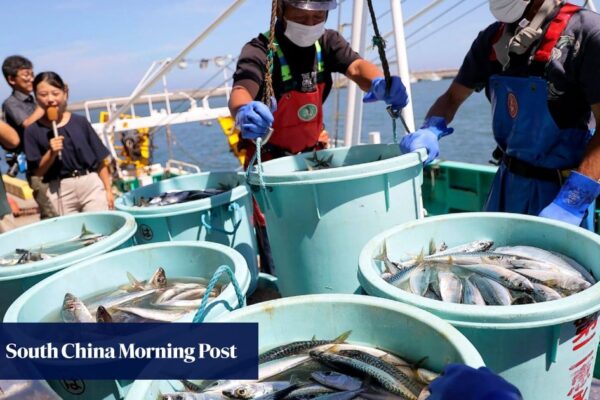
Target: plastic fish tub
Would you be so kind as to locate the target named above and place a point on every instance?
(546, 349)
(107, 272)
(223, 218)
(318, 221)
(327, 316)
(120, 228)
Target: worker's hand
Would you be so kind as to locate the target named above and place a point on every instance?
(110, 199)
(427, 137)
(254, 119)
(575, 197)
(397, 98)
(56, 144)
(465, 383)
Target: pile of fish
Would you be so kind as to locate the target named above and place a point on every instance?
(49, 250)
(177, 197)
(154, 300)
(321, 369)
(476, 273)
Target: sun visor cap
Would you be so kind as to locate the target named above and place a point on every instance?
(312, 5)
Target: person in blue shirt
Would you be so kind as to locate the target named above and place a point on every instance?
(73, 163)
(20, 111)
(539, 66)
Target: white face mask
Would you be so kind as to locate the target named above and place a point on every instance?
(303, 35)
(508, 11)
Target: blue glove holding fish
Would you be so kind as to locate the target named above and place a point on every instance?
(254, 119)
(427, 137)
(575, 197)
(465, 383)
(397, 97)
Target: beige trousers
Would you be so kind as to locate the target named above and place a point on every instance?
(7, 222)
(78, 194)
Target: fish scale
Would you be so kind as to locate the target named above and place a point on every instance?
(298, 347)
(414, 386)
(387, 381)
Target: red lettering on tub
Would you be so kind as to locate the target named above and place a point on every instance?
(580, 395)
(586, 330)
(580, 374)
(581, 371)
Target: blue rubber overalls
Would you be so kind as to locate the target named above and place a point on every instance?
(525, 130)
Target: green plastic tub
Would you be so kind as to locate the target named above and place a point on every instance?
(388, 325)
(180, 259)
(547, 349)
(224, 218)
(120, 228)
(318, 221)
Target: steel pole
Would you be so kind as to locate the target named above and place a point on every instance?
(354, 102)
(402, 60)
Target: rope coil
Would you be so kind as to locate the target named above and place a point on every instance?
(202, 310)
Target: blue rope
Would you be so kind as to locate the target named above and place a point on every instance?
(233, 207)
(202, 311)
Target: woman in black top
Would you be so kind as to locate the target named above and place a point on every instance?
(74, 161)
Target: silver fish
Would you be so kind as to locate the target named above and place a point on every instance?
(115, 300)
(254, 389)
(506, 277)
(336, 380)
(450, 287)
(73, 310)
(492, 292)
(535, 253)
(418, 281)
(391, 266)
(578, 267)
(299, 347)
(544, 293)
(102, 315)
(154, 314)
(193, 396)
(426, 376)
(347, 395)
(556, 280)
(387, 381)
(471, 295)
(472, 247)
(309, 391)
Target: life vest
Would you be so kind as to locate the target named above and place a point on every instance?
(543, 53)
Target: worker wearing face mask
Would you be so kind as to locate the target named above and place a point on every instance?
(306, 56)
(539, 66)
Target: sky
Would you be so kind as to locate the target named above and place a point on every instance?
(103, 48)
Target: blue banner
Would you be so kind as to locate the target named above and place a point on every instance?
(129, 351)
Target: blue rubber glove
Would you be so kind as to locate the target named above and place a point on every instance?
(254, 119)
(22, 161)
(397, 98)
(575, 196)
(427, 137)
(465, 383)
